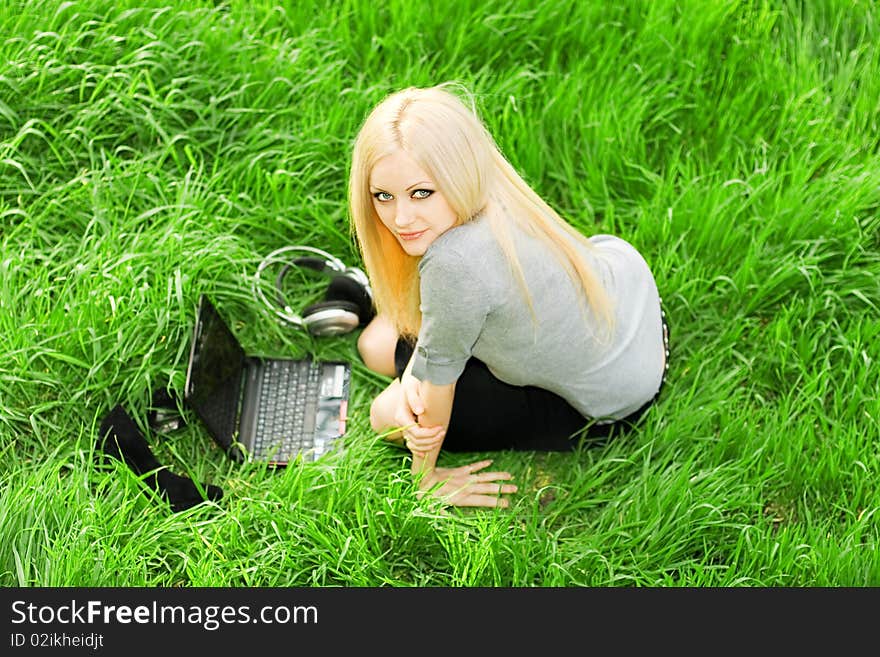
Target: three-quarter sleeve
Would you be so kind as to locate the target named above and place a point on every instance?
(454, 305)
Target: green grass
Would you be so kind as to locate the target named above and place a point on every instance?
(150, 152)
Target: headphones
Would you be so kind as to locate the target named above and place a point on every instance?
(348, 300)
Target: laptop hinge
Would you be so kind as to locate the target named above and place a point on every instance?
(250, 402)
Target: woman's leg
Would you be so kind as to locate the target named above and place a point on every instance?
(376, 345)
(382, 412)
(490, 415)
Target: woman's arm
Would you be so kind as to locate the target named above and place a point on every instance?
(432, 407)
(463, 486)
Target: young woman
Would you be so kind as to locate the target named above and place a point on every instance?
(504, 327)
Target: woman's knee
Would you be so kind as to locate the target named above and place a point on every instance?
(376, 345)
(384, 406)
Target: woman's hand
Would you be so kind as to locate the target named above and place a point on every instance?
(467, 486)
(418, 439)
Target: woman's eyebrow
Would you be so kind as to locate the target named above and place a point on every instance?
(421, 182)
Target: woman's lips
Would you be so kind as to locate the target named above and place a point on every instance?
(411, 236)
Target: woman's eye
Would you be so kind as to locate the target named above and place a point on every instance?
(382, 196)
(422, 193)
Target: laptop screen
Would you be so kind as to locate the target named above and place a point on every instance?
(215, 374)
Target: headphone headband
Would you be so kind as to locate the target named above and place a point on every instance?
(333, 262)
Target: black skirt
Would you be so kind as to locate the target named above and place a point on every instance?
(489, 414)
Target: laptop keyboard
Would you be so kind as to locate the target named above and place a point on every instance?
(286, 414)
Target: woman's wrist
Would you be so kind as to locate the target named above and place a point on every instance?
(420, 465)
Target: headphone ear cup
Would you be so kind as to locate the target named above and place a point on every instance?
(331, 317)
(346, 289)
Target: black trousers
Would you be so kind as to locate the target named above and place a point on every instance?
(491, 415)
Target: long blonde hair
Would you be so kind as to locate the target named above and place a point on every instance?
(446, 138)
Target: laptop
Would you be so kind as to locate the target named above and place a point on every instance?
(262, 409)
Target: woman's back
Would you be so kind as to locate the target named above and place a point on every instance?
(473, 305)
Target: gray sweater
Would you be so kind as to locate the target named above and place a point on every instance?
(472, 305)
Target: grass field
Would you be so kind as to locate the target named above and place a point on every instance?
(153, 151)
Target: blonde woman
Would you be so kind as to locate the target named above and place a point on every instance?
(503, 326)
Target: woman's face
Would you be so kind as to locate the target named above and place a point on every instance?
(409, 203)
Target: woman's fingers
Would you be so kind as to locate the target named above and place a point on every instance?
(469, 474)
(424, 433)
(484, 483)
(419, 432)
(474, 470)
(491, 476)
(482, 500)
(492, 489)
(477, 495)
(424, 444)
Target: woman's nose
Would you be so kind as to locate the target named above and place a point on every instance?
(404, 216)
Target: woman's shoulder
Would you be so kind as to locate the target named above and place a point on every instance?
(470, 236)
(613, 244)
(604, 240)
(621, 256)
(469, 242)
